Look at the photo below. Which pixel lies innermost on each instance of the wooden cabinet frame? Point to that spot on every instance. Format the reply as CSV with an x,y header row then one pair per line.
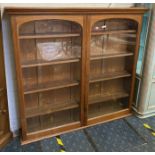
x,y
93,20
86,18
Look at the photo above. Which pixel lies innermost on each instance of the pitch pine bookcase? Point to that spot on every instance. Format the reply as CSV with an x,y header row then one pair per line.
x,y
75,67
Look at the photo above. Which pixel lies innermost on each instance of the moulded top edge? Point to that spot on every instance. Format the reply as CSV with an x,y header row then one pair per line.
x,y
32,11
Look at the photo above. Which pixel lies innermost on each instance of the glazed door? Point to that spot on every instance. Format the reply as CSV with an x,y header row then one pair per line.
x,y
112,56
50,64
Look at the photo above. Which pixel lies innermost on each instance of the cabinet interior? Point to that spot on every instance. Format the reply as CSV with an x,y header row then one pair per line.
x,y
51,70
74,69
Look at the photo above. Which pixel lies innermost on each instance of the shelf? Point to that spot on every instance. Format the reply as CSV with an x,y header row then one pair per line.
x,y
52,120
103,98
43,110
113,32
39,36
108,107
50,86
111,55
121,41
32,130
110,76
35,63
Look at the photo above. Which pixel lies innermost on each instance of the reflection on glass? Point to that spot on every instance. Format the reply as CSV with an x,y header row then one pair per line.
x,y
50,58
113,43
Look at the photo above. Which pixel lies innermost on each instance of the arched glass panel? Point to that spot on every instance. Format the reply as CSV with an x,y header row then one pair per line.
x,y
113,43
50,56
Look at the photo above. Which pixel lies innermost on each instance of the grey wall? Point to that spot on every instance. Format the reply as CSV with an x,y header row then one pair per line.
x,y
10,75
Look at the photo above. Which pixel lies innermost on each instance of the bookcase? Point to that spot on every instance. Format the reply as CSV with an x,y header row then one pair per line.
x,y
75,67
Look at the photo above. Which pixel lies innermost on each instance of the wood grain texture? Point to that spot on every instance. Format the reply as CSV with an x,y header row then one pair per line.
x,y
49,36
36,63
73,127
102,72
41,11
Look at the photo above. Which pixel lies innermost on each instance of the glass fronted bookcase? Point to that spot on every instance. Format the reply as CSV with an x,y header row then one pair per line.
x,y
74,70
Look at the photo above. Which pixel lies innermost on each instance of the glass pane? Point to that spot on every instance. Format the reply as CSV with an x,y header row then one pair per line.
x,y
49,40
49,27
140,60
143,34
136,91
114,25
113,36
143,37
113,43
107,67
42,50
111,95
53,75
51,61
51,103
52,120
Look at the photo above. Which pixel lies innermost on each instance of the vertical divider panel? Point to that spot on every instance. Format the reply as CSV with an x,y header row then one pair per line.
x,y
83,70
87,31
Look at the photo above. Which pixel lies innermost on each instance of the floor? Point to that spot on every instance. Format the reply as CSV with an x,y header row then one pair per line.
x,y
127,135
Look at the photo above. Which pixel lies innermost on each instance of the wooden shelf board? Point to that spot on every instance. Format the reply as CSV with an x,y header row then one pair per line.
x,y
110,76
111,55
35,63
47,109
109,117
46,127
107,111
50,86
39,36
114,96
50,132
74,11
114,32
